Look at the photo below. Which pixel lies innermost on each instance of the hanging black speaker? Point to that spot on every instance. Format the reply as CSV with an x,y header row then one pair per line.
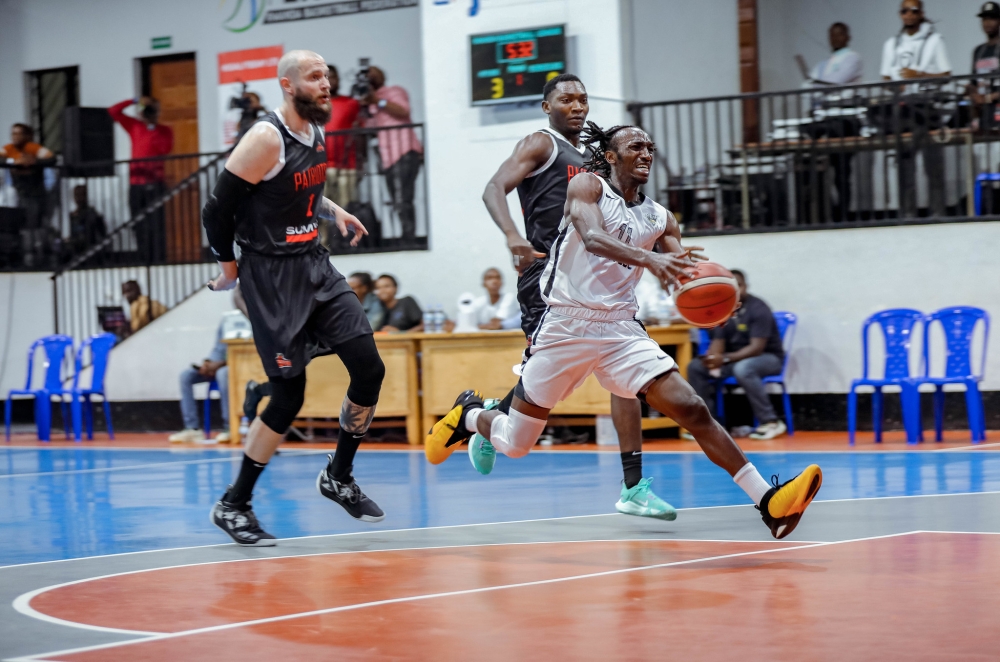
x,y
89,142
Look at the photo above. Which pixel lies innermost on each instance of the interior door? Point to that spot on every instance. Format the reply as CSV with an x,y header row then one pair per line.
x,y
173,81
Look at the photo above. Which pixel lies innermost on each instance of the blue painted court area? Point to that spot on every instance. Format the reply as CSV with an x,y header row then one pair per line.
x,y
67,503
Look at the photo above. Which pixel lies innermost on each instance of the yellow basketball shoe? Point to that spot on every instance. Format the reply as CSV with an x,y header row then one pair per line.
x,y
783,504
448,433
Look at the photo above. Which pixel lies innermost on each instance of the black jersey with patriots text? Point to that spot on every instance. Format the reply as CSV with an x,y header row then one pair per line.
x,y
543,192
279,217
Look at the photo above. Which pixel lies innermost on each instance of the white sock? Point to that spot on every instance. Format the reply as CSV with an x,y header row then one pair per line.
x,y
750,480
470,419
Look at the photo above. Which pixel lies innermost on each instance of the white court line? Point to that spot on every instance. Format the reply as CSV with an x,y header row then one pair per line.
x,y
471,524
973,447
22,603
431,596
130,467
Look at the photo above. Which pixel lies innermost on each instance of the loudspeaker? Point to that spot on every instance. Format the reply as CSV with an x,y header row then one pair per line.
x,y
89,142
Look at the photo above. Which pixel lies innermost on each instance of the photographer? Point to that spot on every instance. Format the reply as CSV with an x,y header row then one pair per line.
x,y
400,151
249,103
150,140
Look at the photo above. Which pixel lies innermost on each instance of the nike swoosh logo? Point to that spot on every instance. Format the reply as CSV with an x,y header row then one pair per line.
x,y
636,452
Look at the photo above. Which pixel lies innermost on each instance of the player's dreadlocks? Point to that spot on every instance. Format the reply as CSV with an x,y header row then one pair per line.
x,y
598,141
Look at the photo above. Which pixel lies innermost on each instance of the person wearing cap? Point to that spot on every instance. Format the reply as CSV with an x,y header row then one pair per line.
x,y
986,60
917,51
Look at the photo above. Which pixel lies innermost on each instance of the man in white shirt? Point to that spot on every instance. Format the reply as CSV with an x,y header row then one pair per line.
x,y
494,307
844,66
916,52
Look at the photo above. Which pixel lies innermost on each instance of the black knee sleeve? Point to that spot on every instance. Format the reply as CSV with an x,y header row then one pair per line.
x,y
286,400
360,357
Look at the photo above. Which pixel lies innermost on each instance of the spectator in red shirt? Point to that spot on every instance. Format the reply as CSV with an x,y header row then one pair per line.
x,y
399,150
341,157
150,140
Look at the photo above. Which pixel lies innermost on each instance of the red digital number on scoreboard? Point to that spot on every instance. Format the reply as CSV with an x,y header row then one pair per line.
x,y
519,50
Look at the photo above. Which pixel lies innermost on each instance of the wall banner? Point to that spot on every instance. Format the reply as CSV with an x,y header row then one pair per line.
x,y
252,70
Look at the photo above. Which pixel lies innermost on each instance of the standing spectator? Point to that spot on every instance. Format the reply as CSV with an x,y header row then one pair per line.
x,y
494,307
916,52
364,287
149,141
400,314
212,368
86,226
747,347
844,66
142,309
986,60
399,150
29,181
341,155
249,103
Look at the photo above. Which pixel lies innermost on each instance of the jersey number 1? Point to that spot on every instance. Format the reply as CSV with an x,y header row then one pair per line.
x,y
309,209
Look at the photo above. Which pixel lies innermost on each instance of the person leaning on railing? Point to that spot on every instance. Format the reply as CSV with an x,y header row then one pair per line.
x,y
341,159
916,52
27,159
400,150
986,60
150,140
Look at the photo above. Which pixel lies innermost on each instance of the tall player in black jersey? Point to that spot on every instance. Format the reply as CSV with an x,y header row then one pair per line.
x,y
269,199
540,169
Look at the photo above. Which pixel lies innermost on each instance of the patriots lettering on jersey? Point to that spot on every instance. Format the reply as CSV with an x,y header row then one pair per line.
x,y
310,177
305,232
572,171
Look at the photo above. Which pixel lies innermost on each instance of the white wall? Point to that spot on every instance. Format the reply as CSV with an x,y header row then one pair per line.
x,y
25,316
104,37
834,279
787,27
678,49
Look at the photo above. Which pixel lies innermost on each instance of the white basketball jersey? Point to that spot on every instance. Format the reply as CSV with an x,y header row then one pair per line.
x,y
577,278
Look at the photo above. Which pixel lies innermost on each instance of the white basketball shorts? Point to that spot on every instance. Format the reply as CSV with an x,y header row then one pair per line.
x,y
566,350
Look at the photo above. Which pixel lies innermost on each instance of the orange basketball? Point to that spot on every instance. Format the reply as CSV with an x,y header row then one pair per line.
x,y
710,297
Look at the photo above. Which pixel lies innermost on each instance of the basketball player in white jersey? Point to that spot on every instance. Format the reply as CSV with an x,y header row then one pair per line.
x,y
605,241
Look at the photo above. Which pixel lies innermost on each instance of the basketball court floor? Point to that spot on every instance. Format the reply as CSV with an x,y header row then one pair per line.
x,y
108,554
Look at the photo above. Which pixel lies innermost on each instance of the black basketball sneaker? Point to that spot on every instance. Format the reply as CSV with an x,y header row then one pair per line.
x,y
449,432
241,525
348,495
783,505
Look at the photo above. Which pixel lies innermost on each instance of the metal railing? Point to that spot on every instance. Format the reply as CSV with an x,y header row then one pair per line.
x,y
376,177
161,246
826,157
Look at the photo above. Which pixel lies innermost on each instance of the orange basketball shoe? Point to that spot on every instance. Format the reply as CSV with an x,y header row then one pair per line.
x,y
448,433
783,505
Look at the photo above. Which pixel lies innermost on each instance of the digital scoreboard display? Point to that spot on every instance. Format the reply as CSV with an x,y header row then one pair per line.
x,y
514,66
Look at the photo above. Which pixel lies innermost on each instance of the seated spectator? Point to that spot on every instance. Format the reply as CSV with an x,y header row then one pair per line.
x,y
213,367
494,307
400,314
364,287
747,347
86,226
142,309
843,67
28,179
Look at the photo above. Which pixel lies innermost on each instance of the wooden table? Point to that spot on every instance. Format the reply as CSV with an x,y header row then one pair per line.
x,y
451,362
327,381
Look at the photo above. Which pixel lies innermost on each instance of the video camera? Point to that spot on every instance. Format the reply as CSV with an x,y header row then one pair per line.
x,y
241,102
361,87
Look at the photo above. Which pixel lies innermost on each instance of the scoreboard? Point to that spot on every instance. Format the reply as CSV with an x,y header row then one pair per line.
x,y
514,66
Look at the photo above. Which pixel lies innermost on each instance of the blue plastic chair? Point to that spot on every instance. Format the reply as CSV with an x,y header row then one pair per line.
x,y
959,324
897,329
980,182
786,327
100,347
55,347
212,386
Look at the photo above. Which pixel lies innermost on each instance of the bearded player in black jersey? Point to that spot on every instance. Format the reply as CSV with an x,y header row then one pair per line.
x,y
269,199
540,169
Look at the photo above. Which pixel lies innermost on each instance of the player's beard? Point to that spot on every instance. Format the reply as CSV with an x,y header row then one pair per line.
x,y
309,109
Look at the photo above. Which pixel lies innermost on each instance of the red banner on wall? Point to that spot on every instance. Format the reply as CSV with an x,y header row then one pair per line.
x,y
251,64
